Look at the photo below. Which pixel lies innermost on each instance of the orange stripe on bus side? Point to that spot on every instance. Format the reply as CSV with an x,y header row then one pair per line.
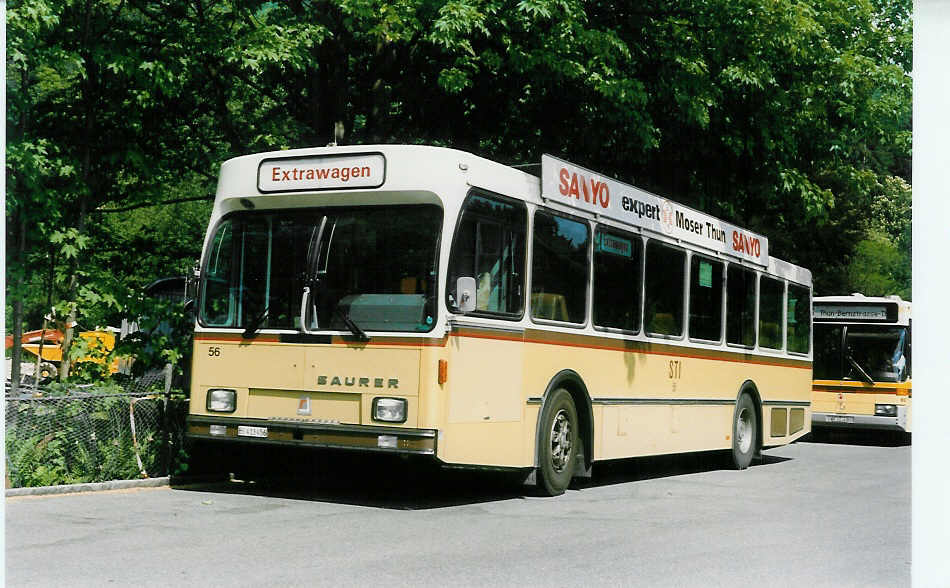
x,y
645,348
335,340
865,389
540,338
231,337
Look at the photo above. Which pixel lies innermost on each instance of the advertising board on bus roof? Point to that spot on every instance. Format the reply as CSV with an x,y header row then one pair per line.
x,y
584,189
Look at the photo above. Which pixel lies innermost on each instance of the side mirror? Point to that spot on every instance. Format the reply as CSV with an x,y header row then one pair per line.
x,y
192,281
465,294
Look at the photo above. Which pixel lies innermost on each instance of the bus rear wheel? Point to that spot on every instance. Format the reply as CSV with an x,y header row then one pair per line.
x,y
744,432
558,443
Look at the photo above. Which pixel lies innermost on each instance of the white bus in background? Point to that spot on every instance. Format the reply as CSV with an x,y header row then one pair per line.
x,y
862,363
426,301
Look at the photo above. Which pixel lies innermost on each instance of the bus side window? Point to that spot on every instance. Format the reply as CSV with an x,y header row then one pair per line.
x,y
740,306
559,268
617,283
799,318
771,294
705,299
490,247
665,284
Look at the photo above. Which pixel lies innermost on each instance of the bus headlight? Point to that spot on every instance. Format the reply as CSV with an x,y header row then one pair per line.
x,y
389,410
221,400
885,410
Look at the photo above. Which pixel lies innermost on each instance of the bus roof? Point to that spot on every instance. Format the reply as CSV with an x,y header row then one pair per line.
x,y
333,175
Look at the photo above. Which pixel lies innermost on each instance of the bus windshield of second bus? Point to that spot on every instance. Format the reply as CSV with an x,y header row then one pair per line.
x,y
870,353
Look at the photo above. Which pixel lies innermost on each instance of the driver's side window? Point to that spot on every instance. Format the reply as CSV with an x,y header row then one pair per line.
x,y
490,247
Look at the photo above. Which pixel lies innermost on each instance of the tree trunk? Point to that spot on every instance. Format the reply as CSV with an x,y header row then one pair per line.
x,y
89,97
329,120
20,241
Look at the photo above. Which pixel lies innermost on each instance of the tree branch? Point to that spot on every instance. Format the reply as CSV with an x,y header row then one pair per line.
x,y
147,204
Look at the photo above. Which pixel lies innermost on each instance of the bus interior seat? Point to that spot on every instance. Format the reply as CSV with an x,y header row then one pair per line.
x,y
663,322
549,306
483,291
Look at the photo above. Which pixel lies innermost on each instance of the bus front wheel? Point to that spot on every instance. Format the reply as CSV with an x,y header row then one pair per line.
x,y
558,443
744,431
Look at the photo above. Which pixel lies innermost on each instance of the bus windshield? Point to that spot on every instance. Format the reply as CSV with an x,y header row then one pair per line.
x,y
878,352
372,266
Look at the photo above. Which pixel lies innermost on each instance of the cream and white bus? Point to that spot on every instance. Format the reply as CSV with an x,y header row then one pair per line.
x,y
862,363
422,300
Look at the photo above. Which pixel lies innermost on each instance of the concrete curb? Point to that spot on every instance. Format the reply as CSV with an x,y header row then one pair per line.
x,y
91,487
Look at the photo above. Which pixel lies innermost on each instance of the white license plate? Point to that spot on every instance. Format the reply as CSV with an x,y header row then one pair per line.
x,y
840,419
245,431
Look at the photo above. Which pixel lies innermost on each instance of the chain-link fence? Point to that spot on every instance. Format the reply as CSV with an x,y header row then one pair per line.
x,y
93,433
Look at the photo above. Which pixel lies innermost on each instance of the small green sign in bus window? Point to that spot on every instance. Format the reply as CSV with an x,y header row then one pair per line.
x,y
705,274
616,245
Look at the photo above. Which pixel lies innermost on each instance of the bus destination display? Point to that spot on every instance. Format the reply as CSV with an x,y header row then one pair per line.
x,y
321,173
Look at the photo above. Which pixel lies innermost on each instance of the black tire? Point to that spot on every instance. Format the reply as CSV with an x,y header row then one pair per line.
x,y
745,432
557,443
206,461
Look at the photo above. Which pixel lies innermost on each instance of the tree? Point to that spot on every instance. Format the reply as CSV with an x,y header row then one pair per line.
x,y
789,117
875,267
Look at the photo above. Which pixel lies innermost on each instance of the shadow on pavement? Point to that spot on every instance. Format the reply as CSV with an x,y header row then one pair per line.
x,y
622,471
866,437
391,482
379,481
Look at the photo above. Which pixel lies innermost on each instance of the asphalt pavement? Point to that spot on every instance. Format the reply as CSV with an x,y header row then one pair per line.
x,y
815,514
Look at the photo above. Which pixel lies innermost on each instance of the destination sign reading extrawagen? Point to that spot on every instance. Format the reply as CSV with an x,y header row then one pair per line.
x,y
332,172
583,189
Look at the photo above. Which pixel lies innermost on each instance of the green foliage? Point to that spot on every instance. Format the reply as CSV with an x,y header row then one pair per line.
x,y
64,439
790,117
878,268
164,335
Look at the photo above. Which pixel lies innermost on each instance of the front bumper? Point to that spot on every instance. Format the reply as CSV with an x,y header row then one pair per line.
x,y
860,421
304,433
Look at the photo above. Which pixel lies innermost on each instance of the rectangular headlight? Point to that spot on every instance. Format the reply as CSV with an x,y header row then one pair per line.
x,y
885,410
221,400
389,410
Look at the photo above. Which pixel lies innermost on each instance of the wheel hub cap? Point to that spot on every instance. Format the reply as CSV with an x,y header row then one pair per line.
x,y
744,430
560,441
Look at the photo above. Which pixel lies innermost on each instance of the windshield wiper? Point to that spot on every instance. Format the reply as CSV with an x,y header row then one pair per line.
x,y
250,331
860,369
351,324
312,277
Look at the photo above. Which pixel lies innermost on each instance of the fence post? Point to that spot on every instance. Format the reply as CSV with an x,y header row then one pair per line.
x,y
166,421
